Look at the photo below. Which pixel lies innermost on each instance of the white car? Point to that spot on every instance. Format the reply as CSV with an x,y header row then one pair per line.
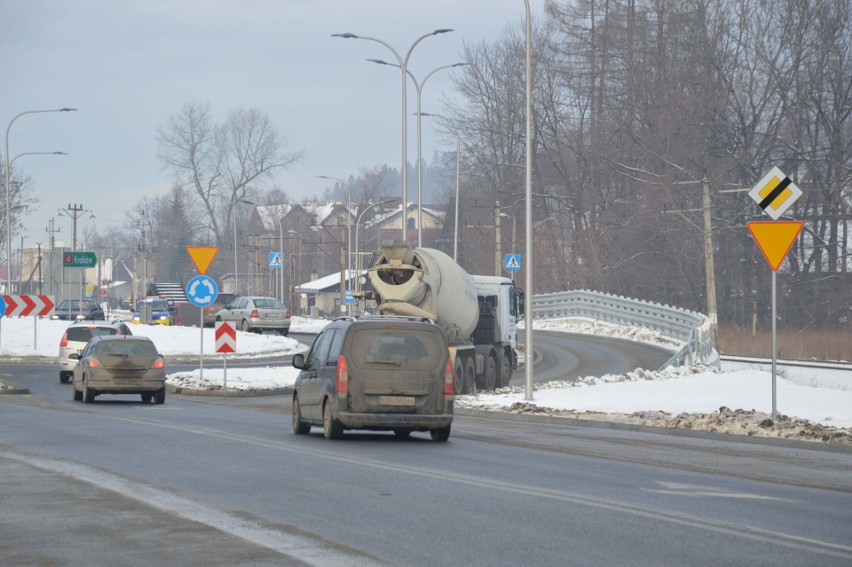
x,y
75,338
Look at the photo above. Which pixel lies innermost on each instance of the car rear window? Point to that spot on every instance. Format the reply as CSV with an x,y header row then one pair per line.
x,y
420,350
85,334
268,304
126,347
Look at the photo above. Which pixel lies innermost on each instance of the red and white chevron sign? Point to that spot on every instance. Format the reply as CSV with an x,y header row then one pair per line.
x,y
23,305
226,337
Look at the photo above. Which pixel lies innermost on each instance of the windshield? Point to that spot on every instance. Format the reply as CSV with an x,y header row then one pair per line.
x,y
73,304
156,305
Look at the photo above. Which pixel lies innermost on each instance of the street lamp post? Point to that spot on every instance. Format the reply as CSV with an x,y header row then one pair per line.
x,y
348,230
8,191
419,88
357,249
458,169
403,64
528,322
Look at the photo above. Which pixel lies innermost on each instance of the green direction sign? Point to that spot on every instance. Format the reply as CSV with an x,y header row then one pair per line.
x,y
79,260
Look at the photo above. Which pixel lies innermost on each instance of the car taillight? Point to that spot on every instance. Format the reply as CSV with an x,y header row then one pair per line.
x,y
342,375
289,313
159,363
253,314
64,341
95,363
449,378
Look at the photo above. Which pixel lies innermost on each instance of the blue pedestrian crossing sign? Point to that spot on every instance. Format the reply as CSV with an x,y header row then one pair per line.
x,y
276,260
201,291
513,262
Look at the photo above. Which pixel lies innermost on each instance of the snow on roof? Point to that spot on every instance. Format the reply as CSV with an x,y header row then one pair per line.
x,y
382,217
324,282
269,214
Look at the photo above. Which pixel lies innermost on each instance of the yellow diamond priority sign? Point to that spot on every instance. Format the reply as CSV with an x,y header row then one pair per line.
x,y
775,239
775,193
202,256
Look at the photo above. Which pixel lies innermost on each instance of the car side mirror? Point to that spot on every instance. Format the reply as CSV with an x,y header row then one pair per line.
x,y
74,356
299,361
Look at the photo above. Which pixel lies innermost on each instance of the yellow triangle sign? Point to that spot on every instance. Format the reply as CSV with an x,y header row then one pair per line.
x,y
775,239
202,256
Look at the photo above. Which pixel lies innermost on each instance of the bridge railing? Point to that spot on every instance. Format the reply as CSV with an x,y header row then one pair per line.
x,y
693,329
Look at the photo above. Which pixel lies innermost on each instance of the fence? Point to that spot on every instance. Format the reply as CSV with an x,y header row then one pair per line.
x,y
694,329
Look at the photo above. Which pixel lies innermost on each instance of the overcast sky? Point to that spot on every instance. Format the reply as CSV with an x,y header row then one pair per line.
x,y
128,65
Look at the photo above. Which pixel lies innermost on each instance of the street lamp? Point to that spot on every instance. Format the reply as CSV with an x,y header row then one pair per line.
x,y
8,191
458,169
234,220
357,250
403,64
528,322
419,87
348,229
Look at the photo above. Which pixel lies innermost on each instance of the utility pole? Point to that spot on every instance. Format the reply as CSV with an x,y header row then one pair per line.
x,y
76,211
52,241
708,264
497,264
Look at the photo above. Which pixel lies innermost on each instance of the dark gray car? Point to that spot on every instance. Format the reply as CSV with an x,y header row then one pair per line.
x,y
378,373
78,309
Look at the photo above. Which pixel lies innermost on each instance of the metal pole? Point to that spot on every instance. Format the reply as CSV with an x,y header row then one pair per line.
x,y
458,171
774,347
497,263
403,63
234,221
528,320
7,187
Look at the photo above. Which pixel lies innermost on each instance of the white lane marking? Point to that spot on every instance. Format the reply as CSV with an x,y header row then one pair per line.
x,y
312,551
694,490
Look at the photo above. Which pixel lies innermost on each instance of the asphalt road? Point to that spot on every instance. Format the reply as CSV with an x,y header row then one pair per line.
x,y
223,481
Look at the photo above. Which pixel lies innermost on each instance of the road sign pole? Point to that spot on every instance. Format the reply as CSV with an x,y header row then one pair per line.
x,y
201,347
774,345
225,370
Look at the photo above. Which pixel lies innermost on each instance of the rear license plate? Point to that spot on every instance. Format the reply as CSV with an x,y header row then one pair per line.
x,y
271,315
126,380
396,400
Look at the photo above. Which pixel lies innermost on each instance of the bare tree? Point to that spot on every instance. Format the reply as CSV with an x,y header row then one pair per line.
x,y
222,164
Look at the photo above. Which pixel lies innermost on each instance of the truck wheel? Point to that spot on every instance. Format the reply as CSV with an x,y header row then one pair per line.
x,y
469,376
489,378
505,368
458,375
331,428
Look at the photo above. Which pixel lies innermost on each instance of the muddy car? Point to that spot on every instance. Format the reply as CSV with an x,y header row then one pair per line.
x,y
375,373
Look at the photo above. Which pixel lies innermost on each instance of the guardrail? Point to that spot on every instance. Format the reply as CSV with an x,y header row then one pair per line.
x,y
694,329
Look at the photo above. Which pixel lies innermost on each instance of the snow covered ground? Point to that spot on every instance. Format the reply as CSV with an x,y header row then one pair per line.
x,y
812,404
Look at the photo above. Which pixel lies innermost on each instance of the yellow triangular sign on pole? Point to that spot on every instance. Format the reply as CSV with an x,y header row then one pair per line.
x,y
775,239
202,256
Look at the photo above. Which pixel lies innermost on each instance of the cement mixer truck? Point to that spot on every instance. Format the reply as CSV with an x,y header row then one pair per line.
x,y
477,313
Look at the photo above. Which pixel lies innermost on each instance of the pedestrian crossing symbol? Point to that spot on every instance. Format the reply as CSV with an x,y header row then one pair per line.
x,y
513,262
276,260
